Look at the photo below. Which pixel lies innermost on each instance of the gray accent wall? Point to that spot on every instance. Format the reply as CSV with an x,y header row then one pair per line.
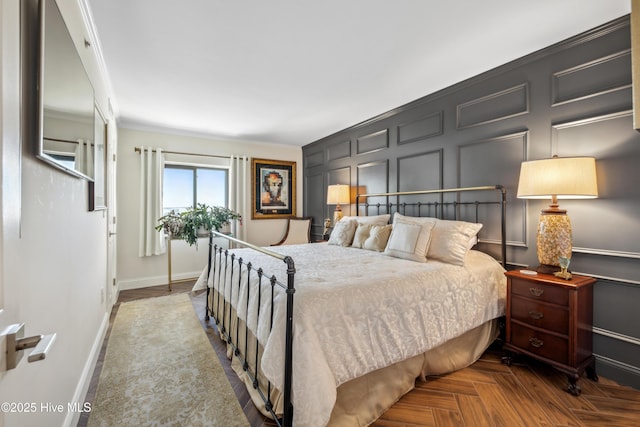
x,y
570,99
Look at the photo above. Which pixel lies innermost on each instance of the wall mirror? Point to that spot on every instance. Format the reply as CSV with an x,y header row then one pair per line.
x,y
97,187
66,113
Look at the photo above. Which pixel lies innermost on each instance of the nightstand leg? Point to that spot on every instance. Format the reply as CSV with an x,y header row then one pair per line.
x,y
591,371
573,387
507,359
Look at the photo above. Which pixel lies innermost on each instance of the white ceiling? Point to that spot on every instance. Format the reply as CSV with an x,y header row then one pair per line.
x,y
294,71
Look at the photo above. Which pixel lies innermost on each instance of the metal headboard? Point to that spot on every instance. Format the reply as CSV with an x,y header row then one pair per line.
x,y
441,205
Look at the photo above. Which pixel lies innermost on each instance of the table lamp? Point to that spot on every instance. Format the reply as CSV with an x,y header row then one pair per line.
x,y
556,178
337,194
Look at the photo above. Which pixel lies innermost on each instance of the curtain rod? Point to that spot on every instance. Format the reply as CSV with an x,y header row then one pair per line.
x,y
137,150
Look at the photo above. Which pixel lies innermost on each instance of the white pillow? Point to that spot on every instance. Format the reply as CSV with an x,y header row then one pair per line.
x,y
378,238
371,237
343,231
410,237
472,242
361,235
375,219
451,240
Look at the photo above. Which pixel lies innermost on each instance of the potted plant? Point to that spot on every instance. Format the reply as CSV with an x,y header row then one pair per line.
x,y
190,224
171,223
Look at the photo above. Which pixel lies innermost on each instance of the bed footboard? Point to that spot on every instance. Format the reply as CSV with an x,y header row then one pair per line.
x,y
227,272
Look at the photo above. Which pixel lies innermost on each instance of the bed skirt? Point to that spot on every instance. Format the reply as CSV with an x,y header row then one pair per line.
x,y
363,400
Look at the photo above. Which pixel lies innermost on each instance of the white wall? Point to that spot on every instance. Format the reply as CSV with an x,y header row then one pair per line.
x,y
135,272
58,261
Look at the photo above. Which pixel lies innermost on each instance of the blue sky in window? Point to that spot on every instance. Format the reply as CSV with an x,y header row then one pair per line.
x,y
178,188
212,187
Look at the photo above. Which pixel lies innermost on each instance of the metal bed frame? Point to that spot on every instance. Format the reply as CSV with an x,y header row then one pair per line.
x,y
227,259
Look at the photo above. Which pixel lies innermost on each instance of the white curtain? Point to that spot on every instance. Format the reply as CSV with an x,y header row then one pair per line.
x,y
238,193
151,241
84,157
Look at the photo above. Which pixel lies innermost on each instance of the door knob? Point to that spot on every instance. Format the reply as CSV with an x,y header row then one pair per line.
x,y
17,343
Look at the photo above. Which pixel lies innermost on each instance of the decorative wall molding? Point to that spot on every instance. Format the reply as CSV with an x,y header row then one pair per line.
x,y
339,150
314,159
501,105
373,177
608,278
501,157
600,136
420,129
598,77
589,120
616,336
425,169
372,142
314,183
605,252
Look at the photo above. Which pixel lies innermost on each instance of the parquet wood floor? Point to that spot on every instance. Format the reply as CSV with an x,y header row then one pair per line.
x,y
486,393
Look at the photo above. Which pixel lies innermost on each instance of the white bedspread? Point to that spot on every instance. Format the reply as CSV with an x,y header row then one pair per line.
x,y
356,311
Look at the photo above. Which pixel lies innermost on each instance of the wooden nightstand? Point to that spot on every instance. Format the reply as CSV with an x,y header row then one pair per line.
x,y
550,319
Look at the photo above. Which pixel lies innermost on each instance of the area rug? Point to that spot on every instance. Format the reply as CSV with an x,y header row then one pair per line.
x,y
160,370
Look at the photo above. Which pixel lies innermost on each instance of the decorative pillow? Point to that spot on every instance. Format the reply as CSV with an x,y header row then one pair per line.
x,y
472,242
451,240
362,234
410,237
375,219
378,238
343,231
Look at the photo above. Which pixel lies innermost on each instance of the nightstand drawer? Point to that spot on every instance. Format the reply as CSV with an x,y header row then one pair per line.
x,y
540,291
540,314
540,343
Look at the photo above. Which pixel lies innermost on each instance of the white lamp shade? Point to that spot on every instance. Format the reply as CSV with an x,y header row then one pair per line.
x,y
564,177
556,178
337,194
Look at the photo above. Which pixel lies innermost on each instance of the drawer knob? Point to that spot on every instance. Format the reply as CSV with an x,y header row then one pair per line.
x,y
535,342
536,292
536,315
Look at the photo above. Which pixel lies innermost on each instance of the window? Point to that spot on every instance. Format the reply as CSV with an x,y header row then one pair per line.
x,y
185,186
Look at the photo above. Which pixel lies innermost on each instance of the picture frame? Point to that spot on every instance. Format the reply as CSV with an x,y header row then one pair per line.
x,y
273,189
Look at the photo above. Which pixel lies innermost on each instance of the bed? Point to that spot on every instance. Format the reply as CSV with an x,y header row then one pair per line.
x,y
370,315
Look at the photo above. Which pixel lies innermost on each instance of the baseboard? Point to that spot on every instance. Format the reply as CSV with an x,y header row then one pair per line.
x,y
145,282
614,356
72,417
617,371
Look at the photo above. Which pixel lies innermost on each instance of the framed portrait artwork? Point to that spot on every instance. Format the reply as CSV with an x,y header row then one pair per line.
x,y
274,189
